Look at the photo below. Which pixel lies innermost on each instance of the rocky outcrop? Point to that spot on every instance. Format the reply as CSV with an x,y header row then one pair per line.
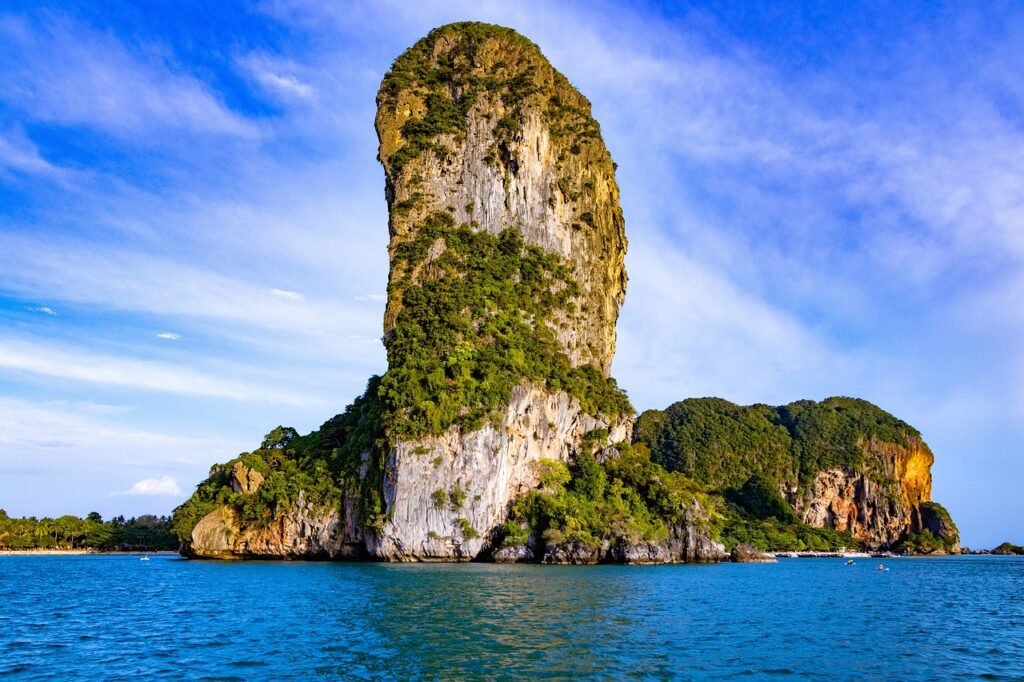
x,y
245,480
446,494
934,530
879,504
517,554
475,124
507,247
477,132
301,531
1006,549
748,554
841,464
686,543
474,121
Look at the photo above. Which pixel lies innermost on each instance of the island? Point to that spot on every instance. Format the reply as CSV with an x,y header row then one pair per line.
x,y
497,432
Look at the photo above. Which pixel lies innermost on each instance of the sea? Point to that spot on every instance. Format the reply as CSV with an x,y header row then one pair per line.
x,y
118,617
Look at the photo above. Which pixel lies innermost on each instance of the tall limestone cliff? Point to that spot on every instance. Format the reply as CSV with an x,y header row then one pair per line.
x,y
507,248
475,122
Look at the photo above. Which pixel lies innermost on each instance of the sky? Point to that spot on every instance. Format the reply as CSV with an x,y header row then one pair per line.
x,y
820,200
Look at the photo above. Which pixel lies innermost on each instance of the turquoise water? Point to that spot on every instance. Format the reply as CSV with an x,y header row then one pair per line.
x,y
116,617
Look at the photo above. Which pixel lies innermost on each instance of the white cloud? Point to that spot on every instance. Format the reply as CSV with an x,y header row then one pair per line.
x,y
289,295
47,359
96,434
64,73
170,336
72,270
45,310
688,331
165,485
277,76
287,84
17,153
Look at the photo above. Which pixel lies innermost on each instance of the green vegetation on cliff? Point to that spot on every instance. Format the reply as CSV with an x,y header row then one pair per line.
x,y
926,542
322,465
627,499
722,445
630,499
756,514
142,533
937,534
449,86
716,442
749,454
475,323
450,79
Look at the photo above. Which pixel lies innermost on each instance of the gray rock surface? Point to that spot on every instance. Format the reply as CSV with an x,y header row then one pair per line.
x,y
486,469
748,554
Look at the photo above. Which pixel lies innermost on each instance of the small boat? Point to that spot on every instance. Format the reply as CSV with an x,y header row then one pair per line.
x,y
850,562
143,558
882,567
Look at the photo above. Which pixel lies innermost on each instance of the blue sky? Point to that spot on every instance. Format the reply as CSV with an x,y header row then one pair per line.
x,y
819,201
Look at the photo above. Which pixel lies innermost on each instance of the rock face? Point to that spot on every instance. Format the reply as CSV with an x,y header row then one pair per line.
x,y
746,554
245,480
473,120
446,494
474,123
876,513
303,531
684,544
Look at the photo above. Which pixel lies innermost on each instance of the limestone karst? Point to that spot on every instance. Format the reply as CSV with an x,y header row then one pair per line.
x,y
497,431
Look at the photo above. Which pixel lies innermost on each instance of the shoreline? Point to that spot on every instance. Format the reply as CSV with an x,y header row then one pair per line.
x,y
76,552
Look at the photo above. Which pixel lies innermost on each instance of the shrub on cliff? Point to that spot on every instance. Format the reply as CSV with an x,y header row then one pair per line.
x,y
628,498
477,326
758,515
926,542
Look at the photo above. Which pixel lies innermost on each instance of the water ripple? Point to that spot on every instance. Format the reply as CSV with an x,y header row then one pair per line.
x,y
113,618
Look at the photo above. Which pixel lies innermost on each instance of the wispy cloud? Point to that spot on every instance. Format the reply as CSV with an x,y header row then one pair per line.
x,y
95,431
277,76
45,310
169,336
17,153
288,295
62,72
708,337
165,485
78,271
50,360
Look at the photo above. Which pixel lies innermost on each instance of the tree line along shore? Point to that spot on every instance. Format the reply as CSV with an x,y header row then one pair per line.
x,y
146,533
